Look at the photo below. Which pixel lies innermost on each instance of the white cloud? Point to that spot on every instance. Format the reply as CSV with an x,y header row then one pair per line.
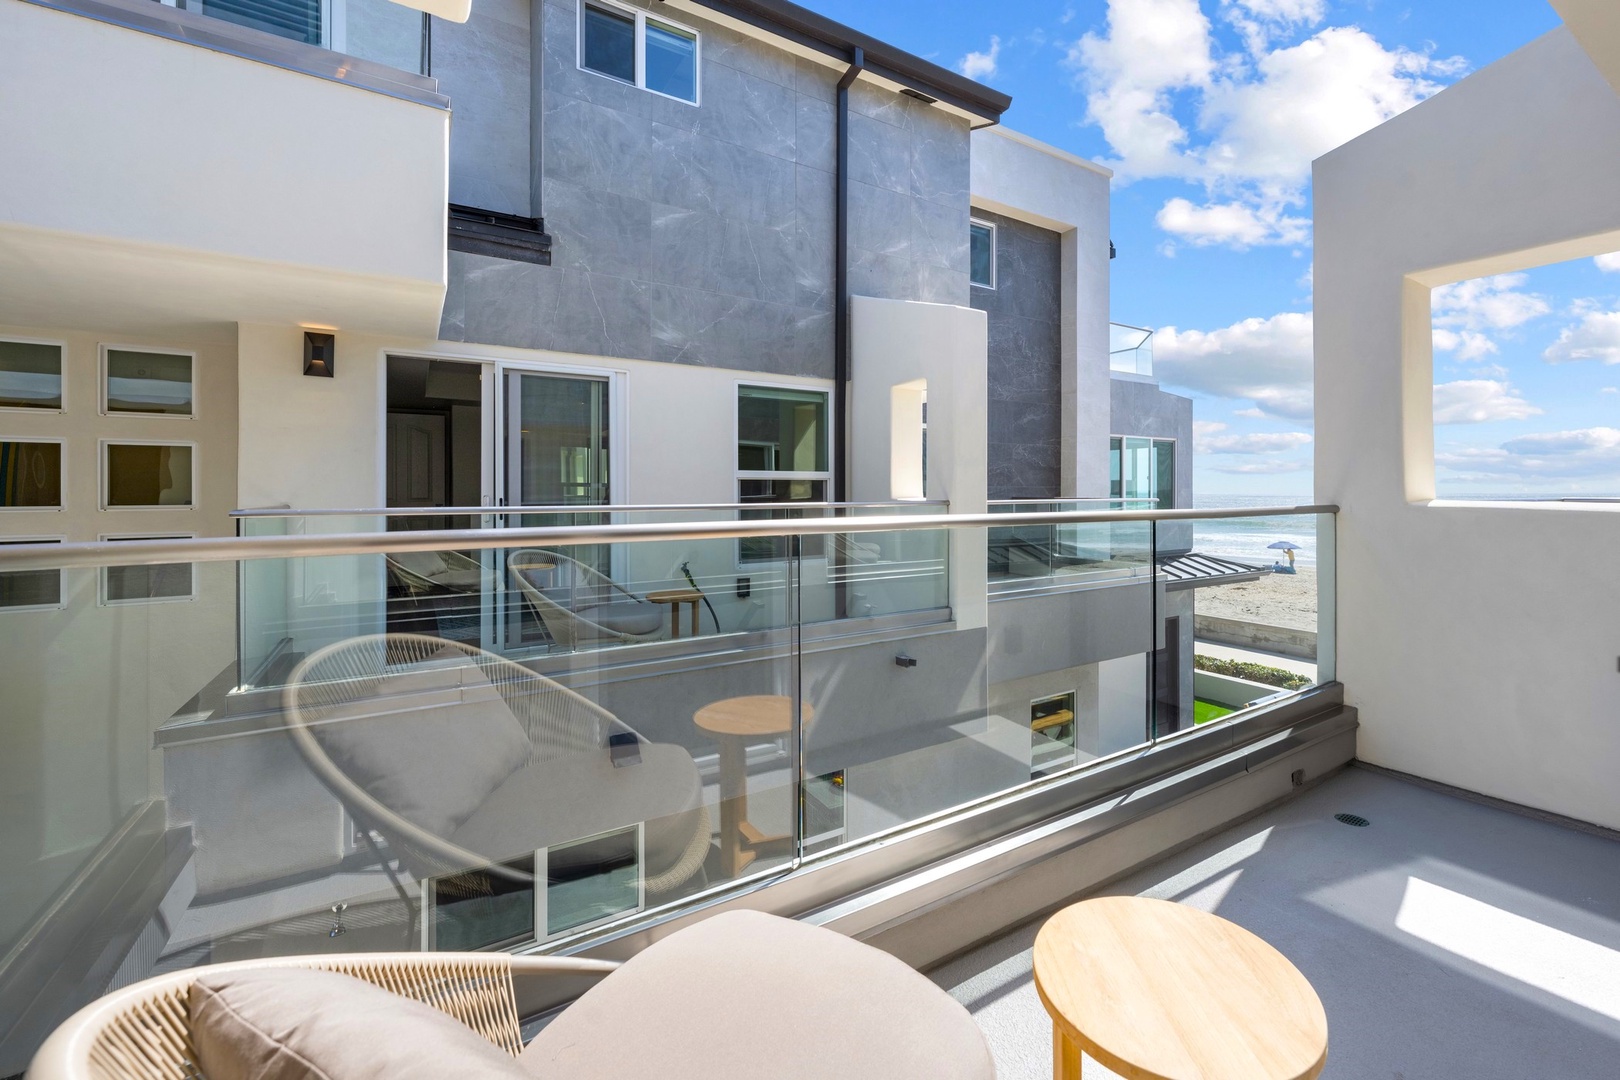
x,y
1487,303
1260,118
1207,439
1610,390
981,65
1595,337
1581,454
1265,361
1479,401
1233,224
1466,345
1263,467
1151,48
1608,263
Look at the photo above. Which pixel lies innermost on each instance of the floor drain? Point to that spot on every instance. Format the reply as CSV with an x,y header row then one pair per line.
x,y
1352,819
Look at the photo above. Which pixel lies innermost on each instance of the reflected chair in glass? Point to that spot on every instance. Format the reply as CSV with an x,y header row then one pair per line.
x,y
424,572
432,763
579,605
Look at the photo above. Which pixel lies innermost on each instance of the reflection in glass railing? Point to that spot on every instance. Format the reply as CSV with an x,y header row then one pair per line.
x,y
524,738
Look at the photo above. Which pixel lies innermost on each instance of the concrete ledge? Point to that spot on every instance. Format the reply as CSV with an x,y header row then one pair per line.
x,y
1283,640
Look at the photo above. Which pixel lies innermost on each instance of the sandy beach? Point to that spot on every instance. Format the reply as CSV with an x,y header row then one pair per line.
x,y
1274,600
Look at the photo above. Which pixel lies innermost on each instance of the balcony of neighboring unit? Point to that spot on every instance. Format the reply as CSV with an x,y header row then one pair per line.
x,y
572,728
245,161
1130,351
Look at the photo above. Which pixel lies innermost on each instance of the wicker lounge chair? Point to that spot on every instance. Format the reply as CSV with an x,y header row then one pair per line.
x,y
423,703
579,605
736,996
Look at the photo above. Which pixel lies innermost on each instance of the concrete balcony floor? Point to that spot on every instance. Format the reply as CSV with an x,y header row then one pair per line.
x,y
1448,938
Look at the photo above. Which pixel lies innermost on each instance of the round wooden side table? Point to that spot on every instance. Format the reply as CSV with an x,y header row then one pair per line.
x,y
733,722
1162,991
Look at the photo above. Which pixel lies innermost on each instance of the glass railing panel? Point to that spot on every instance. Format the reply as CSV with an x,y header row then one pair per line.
x,y
377,30
1239,613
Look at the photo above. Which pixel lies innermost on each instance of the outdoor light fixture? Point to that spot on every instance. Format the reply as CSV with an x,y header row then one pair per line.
x,y
320,354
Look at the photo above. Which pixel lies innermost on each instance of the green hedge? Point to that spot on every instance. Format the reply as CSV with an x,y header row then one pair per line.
x,y
1260,673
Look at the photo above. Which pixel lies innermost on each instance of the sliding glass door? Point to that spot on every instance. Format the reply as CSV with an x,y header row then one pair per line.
x,y
558,439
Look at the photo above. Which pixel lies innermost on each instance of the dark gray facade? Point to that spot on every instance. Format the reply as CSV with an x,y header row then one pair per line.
x,y
1025,360
689,234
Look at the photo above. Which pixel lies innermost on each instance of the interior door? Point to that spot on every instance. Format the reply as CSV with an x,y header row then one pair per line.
x,y
416,473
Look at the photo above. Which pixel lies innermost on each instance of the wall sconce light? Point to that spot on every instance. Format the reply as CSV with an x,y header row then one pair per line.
x,y
320,354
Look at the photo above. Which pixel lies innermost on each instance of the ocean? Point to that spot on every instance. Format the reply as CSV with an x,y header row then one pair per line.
x,y
1247,538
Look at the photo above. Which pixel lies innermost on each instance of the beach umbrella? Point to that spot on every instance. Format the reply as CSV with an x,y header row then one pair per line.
x,y
1285,545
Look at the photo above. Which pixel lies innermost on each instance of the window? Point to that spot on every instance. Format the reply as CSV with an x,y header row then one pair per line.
x,y
146,382
31,375
299,20
782,457
982,254
30,590
639,49
30,475
148,584
146,475
1051,733
1141,468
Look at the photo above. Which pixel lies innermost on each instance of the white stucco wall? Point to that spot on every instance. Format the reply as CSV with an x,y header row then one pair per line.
x,y
899,343
1014,175
196,185
1479,642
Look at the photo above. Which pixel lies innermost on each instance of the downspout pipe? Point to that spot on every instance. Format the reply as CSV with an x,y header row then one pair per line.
x,y
841,474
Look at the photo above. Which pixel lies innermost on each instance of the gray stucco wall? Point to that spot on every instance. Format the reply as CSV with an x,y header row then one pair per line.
x,y
1024,312
696,234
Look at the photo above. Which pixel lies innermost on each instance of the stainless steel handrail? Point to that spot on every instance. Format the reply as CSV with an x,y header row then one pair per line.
x,y
604,508
230,548
1067,499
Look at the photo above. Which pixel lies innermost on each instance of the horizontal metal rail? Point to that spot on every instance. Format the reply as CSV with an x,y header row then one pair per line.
x,y
604,508
1065,499
231,548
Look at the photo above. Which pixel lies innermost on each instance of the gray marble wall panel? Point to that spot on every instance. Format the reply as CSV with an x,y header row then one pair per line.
x,y
483,65
713,224
1026,362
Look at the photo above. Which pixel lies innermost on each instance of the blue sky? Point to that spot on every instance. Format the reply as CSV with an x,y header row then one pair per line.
x,y
1210,111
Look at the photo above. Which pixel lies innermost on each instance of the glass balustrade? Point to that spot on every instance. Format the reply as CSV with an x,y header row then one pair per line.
x,y
364,740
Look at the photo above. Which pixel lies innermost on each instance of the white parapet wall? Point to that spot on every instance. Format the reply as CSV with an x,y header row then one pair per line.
x,y
940,350
1478,640
150,183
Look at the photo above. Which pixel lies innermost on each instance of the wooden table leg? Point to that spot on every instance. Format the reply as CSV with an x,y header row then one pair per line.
x,y
694,618
674,621
733,805
1065,1056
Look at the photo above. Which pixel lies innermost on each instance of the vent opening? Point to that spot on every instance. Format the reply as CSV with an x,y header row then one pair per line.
x,y
1352,819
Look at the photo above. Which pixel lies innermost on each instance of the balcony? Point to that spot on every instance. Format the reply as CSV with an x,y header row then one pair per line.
x,y
810,710
1130,350
303,186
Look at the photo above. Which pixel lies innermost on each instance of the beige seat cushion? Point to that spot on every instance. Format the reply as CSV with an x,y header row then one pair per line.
x,y
745,995
576,795
300,1024
430,744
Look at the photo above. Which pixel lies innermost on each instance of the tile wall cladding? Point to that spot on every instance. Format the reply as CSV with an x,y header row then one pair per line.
x,y
484,64
714,225
1025,363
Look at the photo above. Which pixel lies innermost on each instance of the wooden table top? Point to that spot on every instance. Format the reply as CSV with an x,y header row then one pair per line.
x,y
674,596
1162,991
756,714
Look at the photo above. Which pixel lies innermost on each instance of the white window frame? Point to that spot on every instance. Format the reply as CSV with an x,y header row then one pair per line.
x,y
1158,505
61,475
641,18
773,474
994,269
189,354
102,598
37,410
61,575
168,507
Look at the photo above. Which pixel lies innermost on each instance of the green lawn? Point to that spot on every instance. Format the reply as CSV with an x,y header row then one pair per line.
x,y
1205,711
